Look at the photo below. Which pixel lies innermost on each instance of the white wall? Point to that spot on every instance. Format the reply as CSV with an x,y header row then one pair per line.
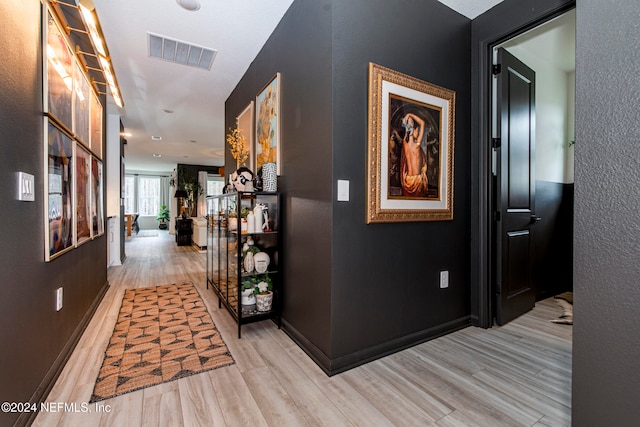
x,y
555,91
571,125
113,185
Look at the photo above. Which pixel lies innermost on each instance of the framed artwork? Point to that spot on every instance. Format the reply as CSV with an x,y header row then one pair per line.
x,y
81,93
97,199
267,142
83,194
59,192
59,78
95,125
410,150
245,124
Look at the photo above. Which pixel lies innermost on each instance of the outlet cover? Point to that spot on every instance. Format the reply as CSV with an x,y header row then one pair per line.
x,y
444,279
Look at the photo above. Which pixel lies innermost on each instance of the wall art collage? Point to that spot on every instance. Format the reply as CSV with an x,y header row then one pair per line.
x,y
74,178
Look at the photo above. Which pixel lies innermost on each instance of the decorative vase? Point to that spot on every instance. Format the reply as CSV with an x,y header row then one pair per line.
x,y
251,223
257,215
248,298
261,262
269,177
264,301
233,224
249,263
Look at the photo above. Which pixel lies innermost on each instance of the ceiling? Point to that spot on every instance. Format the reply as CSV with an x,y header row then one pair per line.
x,y
553,42
182,105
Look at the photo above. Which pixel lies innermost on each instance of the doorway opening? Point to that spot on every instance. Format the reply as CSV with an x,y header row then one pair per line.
x,y
530,171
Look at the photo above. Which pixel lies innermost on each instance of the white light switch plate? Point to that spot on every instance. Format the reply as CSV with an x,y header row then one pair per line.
x,y
343,190
26,190
59,299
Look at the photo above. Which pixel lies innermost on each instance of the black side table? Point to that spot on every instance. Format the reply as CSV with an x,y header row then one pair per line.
x,y
184,230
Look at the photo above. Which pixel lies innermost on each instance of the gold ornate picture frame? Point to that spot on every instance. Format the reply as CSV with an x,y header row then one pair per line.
x,y
410,149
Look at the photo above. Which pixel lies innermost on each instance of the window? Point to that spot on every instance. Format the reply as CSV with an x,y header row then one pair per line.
x,y
148,195
145,194
130,195
215,184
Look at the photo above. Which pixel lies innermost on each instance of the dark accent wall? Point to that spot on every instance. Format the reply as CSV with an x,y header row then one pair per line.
x,y
553,239
35,338
606,337
300,49
354,292
385,277
192,170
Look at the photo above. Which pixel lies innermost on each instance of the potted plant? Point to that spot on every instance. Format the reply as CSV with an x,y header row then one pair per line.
x,y
248,296
263,292
233,219
163,216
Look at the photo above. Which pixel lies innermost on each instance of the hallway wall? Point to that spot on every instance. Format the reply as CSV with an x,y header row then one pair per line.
x,y
35,338
341,275
606,379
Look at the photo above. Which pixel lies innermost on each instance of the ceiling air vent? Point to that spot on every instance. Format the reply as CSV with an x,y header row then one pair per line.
x,y
180,52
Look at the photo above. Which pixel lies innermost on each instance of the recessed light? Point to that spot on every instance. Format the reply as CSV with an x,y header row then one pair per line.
x,y
193,141
156,138
157,155
168,111
191,5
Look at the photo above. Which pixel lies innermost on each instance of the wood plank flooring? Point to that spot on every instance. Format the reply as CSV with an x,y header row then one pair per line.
x,y
515,375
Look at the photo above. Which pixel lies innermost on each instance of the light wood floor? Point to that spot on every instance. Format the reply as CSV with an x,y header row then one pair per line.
x,y
516,375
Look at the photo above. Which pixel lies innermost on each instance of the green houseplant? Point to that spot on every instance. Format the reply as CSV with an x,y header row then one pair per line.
x,y
163,216
248,290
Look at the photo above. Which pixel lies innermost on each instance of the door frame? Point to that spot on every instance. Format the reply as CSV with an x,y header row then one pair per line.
x,y
503,22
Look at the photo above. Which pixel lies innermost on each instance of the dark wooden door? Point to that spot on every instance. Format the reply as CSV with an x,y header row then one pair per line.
x,y
514,200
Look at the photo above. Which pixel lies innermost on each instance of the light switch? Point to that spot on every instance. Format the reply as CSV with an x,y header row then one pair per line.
x,y
343,190
26,190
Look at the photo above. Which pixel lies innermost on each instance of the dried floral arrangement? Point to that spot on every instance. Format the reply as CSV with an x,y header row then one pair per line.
x,y
238,143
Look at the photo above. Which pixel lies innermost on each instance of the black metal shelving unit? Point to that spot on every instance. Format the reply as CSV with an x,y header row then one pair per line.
x,y
225,263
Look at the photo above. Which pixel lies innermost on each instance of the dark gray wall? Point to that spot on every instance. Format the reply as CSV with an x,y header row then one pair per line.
x,y
342,277
300,49
553,239
385,277
606,379
35,338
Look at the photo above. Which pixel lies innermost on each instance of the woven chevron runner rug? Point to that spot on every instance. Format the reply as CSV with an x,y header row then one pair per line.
x,y
163,333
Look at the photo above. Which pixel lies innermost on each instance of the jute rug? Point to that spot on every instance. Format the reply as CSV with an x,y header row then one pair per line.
x,y
565,300
163,333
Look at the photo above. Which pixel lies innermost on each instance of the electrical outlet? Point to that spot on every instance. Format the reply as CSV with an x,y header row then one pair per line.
x,y
444,279
59,299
